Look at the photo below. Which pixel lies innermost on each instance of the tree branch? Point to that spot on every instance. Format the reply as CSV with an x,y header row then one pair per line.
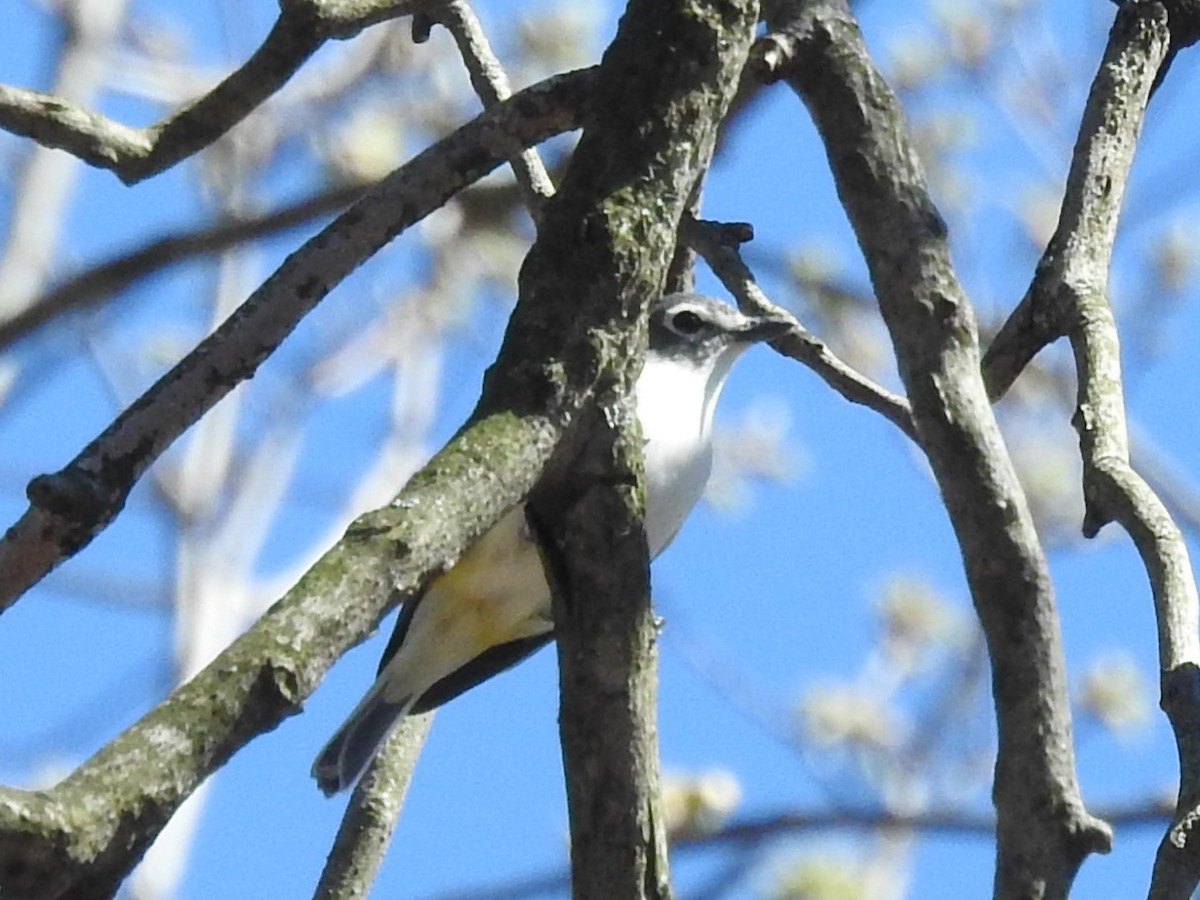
x,y
491,85
1115,100
135,154
69,508
83,836
1044,833
718,243
605,243
371,815
1069,295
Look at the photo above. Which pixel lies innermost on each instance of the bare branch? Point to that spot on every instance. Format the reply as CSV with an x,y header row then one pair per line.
x,y
491,84
137,153
1069,294
84,834
366,829
1042,316
1044,833
718,244
60,124
67,509
87,832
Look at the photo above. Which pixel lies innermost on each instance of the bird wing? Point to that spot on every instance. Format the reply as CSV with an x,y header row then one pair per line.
x,y
491,662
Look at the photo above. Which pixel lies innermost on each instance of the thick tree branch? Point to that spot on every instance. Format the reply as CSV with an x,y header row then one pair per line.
x,y
67,509
1044,833
718,244
602,254
137,153
80,838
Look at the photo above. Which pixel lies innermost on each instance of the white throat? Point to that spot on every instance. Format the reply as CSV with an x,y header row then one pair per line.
x,y
675,404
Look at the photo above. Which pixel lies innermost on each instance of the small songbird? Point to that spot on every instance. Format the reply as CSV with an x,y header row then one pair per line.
x,y
493,608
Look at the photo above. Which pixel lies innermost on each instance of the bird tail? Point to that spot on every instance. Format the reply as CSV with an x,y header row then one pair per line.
x,y
343,759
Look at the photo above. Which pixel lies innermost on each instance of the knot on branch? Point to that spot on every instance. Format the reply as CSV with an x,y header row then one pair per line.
x,y
277,684
1089,834
770,57
81,499
1180,697
1101,483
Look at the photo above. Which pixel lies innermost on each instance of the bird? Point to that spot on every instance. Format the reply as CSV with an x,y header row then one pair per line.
x,y
493,607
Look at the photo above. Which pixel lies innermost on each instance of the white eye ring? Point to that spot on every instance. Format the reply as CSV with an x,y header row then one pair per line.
x,y
686,323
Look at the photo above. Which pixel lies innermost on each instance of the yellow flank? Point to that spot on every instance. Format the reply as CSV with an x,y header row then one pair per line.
x,y
495,594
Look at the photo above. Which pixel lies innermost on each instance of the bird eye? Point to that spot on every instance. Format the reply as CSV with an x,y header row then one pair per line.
x,y
686,322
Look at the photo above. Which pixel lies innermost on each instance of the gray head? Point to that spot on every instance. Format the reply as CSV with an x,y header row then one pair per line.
x,y
698,329
694,341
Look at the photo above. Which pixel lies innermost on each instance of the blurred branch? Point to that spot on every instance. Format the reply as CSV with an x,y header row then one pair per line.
x,y
375,803
718,243
93,285
749,833
137,153
67,509
1044,832
43,181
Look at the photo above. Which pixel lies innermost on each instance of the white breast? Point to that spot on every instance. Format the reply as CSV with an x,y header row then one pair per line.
x,y
675,403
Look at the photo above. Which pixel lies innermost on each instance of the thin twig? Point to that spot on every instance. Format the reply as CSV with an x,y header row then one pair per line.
x,y
718,243
366,829
491,84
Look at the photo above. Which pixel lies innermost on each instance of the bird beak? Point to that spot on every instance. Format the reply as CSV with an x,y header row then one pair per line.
x,y
765,328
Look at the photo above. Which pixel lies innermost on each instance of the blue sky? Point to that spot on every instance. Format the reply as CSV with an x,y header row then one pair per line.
x,y
780,590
